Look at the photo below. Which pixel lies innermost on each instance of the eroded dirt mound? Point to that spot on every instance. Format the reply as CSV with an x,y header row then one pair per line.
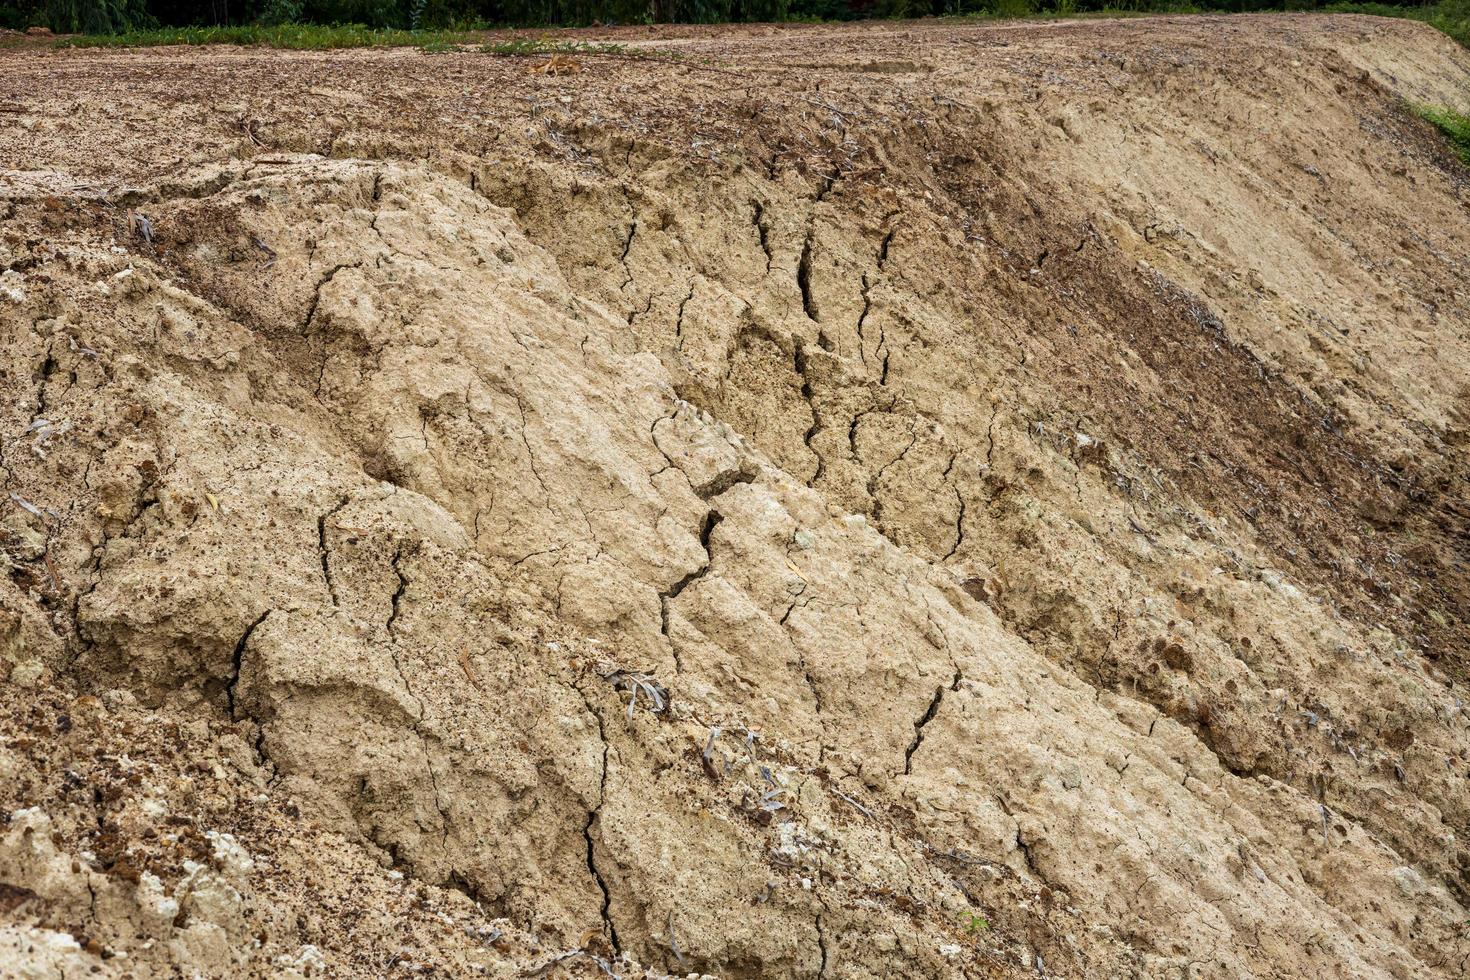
x,y
878,501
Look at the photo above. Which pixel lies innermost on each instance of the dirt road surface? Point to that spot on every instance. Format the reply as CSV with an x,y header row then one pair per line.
x,y
893,499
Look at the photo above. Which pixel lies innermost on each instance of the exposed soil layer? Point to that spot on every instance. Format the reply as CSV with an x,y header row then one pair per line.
x,y
880,500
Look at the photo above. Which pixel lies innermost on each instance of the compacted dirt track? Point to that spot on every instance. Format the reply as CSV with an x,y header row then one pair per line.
x,y
881,500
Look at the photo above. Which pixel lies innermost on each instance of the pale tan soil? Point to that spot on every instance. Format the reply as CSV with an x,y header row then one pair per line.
x,y
1026,463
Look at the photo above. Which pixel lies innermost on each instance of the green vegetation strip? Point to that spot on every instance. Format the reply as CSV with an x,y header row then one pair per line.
x,y
1449,16
308,37
1454,125
303,37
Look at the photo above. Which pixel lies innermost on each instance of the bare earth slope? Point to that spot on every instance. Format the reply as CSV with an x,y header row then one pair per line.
x,y
891,500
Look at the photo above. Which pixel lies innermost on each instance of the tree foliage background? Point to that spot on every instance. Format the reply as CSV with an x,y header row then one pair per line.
x,y
112,16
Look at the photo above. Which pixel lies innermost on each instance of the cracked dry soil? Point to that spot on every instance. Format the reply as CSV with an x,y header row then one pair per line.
x,y
881,500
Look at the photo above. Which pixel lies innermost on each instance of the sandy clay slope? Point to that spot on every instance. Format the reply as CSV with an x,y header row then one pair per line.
x,y
892,500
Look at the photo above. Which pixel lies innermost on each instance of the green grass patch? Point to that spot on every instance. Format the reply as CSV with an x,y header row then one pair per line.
x,y
300,37
1454,125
